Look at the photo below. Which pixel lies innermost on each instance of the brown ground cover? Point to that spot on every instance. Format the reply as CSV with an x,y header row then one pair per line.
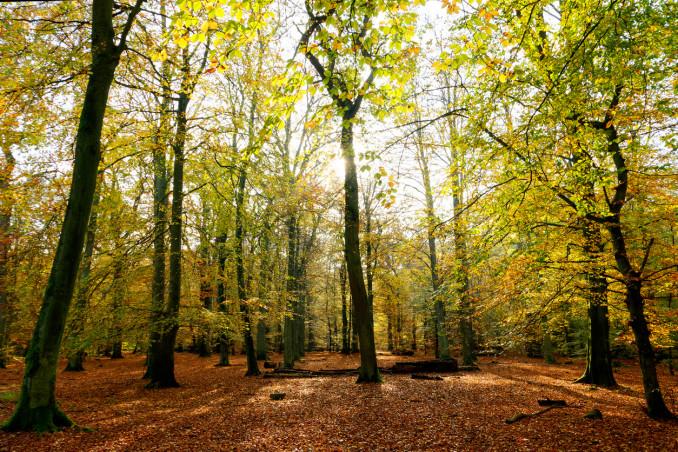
x,y
220,409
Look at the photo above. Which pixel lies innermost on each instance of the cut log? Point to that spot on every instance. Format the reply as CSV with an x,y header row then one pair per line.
x,y
426,377
436,365
468,368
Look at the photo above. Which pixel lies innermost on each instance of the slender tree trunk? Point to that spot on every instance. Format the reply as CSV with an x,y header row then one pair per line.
x,y
389,324
224,342
118,298
656,408
6,205
414,332
369,258
460,249
37,408
204,346
369,371
345,340
252,366
300,315
266,269
290,349
442,343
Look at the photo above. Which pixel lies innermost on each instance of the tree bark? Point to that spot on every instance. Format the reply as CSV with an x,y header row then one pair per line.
x,y
6,206
37,407
345,339
224,342
204,346
161,365
656,408
160,185
441,341
369,371
598,361
461,271
252,366
290,354
74,346
118,290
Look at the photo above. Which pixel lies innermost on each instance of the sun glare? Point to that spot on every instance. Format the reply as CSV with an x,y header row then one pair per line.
x,y
338,167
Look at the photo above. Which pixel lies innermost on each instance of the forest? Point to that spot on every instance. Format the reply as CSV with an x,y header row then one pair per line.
x,y
338,225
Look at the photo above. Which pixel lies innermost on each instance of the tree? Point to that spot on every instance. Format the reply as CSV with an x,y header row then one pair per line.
x,y
332,27
583,88
161,363
37,408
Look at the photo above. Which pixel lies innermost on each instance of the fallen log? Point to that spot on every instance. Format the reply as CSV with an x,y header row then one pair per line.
x,y
518,416
551,402
290,375
436,365
426,377
319,373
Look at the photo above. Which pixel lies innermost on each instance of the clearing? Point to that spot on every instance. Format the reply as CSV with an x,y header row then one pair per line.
x,y
218,408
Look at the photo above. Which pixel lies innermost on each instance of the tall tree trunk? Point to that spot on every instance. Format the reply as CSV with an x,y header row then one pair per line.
x,y
75,346
118,290
6,206
37,408
204,346
161,365
369,258
300,315
160,185
224,342
442,343
414,332
345,339
656,408
252,366
461,270
265,271
598,361
290,325
369,371
389,324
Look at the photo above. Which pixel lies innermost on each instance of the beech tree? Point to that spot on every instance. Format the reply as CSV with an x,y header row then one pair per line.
x,y
37,408
353,28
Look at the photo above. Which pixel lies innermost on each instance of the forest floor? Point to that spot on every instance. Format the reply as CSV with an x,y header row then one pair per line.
x,y
219,409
